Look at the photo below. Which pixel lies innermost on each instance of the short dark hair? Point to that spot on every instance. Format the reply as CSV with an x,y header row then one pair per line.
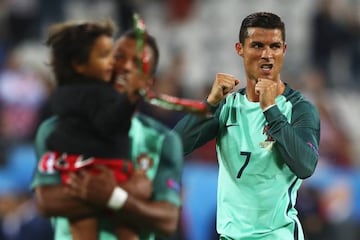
x,y
261,20
148,40
71,42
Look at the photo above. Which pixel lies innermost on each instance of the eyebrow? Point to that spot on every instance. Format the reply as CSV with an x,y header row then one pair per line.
x,y
262,43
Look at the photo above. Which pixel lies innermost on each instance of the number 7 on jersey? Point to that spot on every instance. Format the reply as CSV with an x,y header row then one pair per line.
x,y
247,159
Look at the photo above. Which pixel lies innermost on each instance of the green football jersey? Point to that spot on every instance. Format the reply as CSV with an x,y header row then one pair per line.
x,y
151,143
262,158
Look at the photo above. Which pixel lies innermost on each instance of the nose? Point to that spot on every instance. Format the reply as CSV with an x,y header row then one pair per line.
x,y
123,65
266,53
128,64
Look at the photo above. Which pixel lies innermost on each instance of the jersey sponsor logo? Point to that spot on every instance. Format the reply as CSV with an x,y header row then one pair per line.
x,y
144,161
47,163
269,141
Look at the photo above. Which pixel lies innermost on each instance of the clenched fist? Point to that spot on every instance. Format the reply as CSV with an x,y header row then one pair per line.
x,y
223,84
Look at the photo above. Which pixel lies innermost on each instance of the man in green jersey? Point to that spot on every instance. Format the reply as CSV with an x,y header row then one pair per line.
x,y
267,138
153,148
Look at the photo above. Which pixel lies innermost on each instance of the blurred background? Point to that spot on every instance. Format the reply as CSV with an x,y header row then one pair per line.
x,y
196,40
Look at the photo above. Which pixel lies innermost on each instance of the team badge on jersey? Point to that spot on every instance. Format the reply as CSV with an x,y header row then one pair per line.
x,y
269,141
144,161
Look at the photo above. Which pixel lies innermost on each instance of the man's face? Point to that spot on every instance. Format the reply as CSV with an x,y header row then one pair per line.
x,y
129,78
263,53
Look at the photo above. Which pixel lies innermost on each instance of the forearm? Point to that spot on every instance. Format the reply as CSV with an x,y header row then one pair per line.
x,y
53,201
297,153
195,131
160,217
297,144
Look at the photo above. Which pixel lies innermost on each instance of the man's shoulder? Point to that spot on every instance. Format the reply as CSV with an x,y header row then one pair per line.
x,y
48,123
150,128
45,128
149,122
295,96
300,103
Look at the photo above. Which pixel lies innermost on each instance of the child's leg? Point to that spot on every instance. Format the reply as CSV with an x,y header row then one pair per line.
x,y
84,229
124,233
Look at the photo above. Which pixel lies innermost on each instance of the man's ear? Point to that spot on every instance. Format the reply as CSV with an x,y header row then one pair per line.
x,y
239,49
285,47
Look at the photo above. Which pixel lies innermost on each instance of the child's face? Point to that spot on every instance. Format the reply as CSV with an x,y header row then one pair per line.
x,y
101,60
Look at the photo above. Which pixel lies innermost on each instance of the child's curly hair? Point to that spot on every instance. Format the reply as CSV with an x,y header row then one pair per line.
x,y
71,42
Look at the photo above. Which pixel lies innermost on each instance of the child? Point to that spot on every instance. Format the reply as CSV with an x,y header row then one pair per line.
x,y
94,118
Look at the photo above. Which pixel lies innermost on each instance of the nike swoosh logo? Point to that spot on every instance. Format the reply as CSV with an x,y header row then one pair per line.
x,y
81,162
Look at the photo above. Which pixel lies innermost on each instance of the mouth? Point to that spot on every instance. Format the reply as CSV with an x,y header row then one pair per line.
x,y
266,68
120,80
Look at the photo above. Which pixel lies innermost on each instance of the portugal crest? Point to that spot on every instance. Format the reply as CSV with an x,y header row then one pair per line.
x,y
144,161
269,141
